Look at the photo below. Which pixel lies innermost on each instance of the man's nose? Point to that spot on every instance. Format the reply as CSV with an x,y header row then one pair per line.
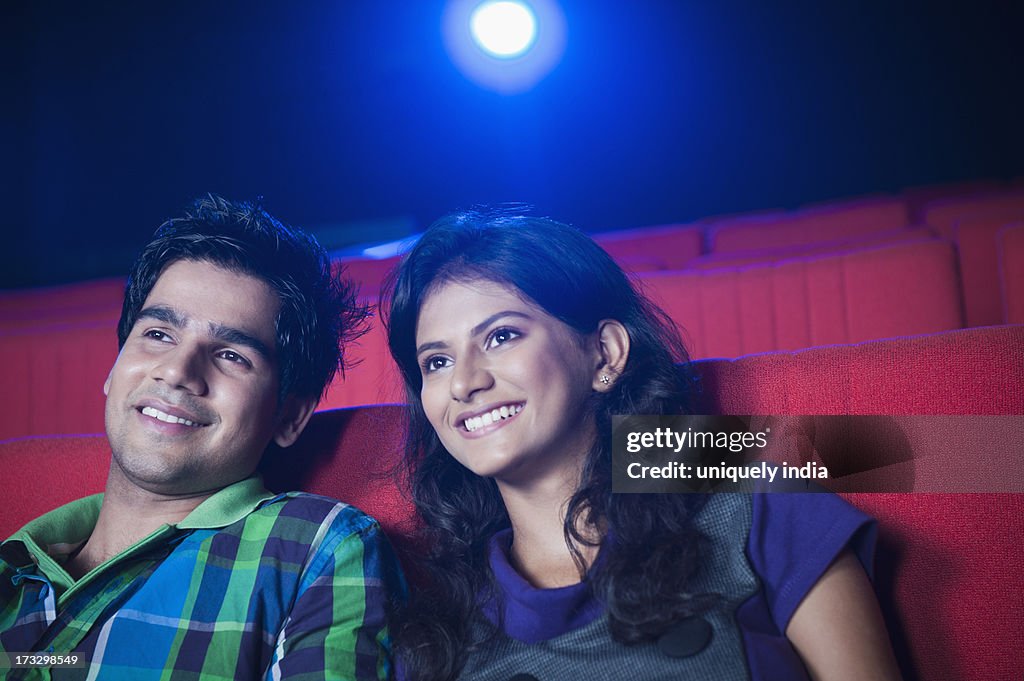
x,y
183,368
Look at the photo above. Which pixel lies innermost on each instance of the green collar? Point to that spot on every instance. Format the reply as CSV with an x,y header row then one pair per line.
x,y
59,532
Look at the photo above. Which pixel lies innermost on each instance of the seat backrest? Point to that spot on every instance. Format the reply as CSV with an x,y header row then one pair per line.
x,y
943,215
950,564
661,247
763,257
1011,272
831,222
53,378
978,254
897,290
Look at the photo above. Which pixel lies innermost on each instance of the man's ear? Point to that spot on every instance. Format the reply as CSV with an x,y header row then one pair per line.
x,y
292,419
613,345
106,383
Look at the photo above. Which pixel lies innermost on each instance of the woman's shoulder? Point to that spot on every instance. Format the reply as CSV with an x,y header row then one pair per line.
x,y
795,537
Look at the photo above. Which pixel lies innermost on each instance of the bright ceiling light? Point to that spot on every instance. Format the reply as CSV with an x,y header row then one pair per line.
x,y
503,29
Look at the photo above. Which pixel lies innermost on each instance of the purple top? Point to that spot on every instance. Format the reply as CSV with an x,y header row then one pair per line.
x,y
793,539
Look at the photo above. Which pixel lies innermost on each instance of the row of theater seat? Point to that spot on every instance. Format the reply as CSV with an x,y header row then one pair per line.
x,y
834,273
949,565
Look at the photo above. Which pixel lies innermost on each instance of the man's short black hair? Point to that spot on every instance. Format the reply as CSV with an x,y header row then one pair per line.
x,y
319,311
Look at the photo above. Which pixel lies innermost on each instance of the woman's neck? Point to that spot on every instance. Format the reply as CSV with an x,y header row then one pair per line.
x,y
539,552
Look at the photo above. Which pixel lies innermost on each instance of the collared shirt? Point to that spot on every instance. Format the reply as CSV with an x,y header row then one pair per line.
x,y
249,585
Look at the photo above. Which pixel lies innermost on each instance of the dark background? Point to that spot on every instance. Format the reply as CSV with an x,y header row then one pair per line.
x,y
349,118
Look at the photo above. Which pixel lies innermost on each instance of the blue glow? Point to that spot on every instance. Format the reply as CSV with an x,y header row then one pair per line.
x,y
504,46
504,29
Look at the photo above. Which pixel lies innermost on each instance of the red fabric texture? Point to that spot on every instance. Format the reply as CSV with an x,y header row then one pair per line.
x,y
969,371
830,222
53,379
920,197
374,379
948,577
944,214
366,272
1011,272
899,290
664,247
773,255
949,564
57,300
979,265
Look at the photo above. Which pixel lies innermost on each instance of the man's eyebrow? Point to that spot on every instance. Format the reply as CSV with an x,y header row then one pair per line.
x,y
475,331
234,336
165,314
225,334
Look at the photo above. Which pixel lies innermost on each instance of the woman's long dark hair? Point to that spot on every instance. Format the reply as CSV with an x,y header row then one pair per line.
x,y
643,574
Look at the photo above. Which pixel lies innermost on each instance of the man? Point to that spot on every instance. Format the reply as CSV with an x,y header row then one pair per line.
x,y
186,567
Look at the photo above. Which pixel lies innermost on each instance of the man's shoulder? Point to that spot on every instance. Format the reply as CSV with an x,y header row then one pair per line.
x,y
299,515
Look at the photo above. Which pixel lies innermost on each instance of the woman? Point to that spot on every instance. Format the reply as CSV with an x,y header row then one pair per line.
x,y
518,338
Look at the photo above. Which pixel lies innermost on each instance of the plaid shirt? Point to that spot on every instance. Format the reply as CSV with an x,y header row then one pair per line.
x,y
249,585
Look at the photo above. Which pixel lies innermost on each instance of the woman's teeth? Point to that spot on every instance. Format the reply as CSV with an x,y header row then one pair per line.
x,y
499,414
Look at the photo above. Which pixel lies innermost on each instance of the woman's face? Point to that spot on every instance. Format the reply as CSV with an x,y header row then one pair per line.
x,y
505,384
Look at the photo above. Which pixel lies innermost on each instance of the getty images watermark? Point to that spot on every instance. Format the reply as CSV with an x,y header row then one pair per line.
x,y
684,454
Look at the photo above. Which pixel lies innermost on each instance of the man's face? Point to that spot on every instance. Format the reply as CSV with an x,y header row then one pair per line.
x,y
192,400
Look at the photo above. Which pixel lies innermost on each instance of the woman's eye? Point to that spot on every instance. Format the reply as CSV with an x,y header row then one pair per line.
x,y
502,336
435,363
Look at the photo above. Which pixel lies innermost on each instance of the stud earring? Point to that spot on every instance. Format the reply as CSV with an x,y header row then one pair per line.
x,y
605,379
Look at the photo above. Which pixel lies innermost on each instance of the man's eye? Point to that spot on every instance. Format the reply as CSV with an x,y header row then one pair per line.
x,y
156,334
232,356
502,336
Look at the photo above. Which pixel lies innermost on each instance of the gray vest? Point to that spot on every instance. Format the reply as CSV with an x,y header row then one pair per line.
x,y
590,653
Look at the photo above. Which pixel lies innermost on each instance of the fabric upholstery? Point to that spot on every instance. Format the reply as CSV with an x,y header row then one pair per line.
x,y
1011,272
949,567
663,247
805,302
829,222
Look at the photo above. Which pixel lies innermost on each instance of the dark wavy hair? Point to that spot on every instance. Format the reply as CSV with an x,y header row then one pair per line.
x,y
319,313
643,574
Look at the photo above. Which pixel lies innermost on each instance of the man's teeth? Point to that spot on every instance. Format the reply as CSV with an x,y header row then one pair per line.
x,y
504,412
168,418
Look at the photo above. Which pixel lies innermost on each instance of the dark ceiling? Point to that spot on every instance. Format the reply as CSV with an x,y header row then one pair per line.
x,y
351,114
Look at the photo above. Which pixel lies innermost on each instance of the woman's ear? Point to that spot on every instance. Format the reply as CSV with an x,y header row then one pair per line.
x,y
613,345
292,419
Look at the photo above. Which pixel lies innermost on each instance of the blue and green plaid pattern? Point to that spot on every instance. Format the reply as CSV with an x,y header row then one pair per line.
x,y
250,585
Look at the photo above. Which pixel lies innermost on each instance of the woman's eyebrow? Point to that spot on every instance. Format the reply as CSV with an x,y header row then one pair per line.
x,y
482,326
475,331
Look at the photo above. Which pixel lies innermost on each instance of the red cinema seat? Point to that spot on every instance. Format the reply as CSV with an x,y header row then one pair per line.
x,y
949,567
53,378
920,196
949,564
85,302
754,257
368,273
65,297
372,378
943,215
665,247
1011,272
831,222
899,290
976,246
